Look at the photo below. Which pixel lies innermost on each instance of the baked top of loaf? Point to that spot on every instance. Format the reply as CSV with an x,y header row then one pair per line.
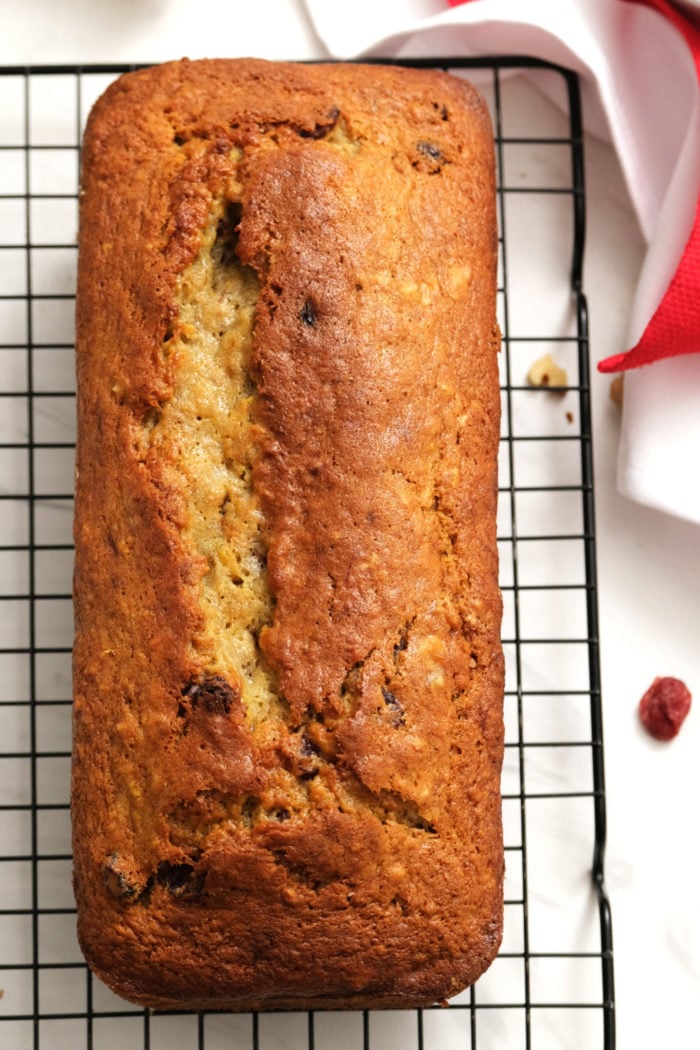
x,y
288,674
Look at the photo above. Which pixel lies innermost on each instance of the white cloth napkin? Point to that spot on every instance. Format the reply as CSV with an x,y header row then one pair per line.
x,y
640,88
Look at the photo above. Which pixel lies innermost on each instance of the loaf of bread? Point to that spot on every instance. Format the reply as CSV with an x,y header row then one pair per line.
x,y
288,673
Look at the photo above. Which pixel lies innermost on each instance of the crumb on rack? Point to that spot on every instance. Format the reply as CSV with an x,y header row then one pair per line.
x,y
545,372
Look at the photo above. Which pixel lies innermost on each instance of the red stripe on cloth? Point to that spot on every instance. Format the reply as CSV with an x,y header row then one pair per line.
x,y
674,328
686,27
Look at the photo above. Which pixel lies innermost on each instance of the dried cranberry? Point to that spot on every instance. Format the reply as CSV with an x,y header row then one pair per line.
x,y
664,707
429,149
308,314
395,706
322,129
181,880
210,692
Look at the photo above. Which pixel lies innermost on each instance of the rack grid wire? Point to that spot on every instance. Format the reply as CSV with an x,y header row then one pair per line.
x,y
552,983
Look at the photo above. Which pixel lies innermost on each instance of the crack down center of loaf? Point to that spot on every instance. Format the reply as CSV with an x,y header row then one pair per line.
x,y
206,426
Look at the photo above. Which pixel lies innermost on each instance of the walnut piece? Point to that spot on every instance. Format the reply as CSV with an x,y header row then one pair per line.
x,y
617,389
546,372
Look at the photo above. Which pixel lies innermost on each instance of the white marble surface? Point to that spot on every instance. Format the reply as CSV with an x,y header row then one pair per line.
x,y
649,584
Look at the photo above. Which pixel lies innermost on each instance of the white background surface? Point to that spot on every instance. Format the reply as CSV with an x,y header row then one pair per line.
x,y
649,564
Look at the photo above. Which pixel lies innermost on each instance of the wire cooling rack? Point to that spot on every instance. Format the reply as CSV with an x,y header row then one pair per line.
x,y
552,984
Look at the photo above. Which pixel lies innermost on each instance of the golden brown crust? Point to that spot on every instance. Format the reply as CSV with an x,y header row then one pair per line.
x,y
343,847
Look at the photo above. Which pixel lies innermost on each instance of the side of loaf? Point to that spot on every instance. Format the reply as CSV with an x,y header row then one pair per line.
x,y
288,677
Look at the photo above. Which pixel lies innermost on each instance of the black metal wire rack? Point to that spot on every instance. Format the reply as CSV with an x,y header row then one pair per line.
x,y
552,984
